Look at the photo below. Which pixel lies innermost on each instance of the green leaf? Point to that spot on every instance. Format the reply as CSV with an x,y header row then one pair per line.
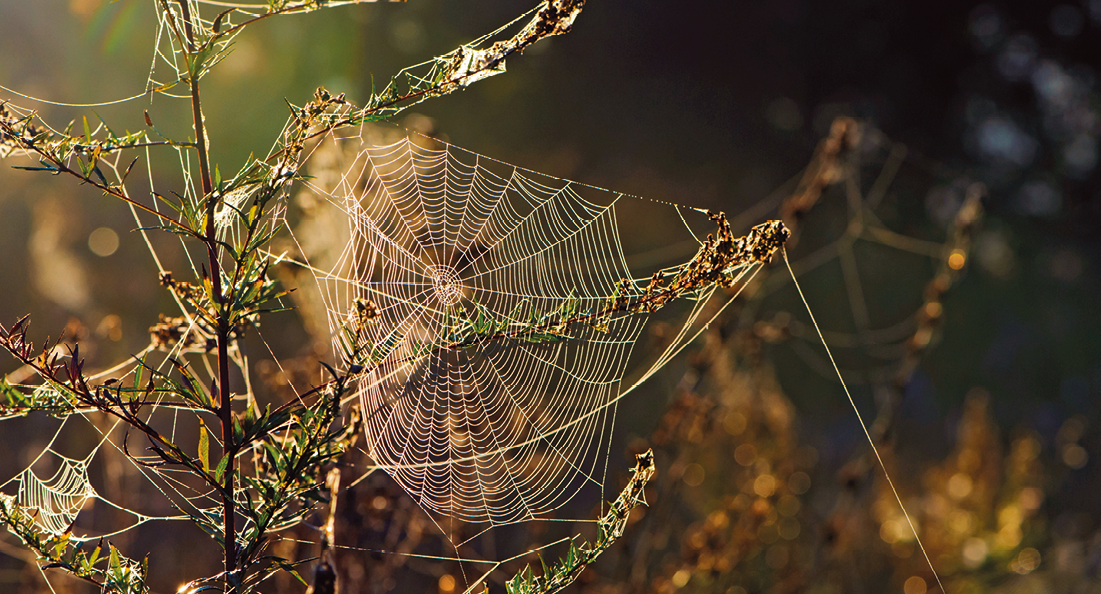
x,y
114,563
238,432
9,392
218,20
46,167
220,471
208,288
204,446
287,567
110,133
59,546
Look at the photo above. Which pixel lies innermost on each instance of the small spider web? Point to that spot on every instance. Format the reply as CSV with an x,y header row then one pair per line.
x,y
456,274
56,502
59,498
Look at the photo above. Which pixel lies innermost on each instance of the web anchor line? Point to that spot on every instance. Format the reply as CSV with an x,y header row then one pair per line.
x,y
863,426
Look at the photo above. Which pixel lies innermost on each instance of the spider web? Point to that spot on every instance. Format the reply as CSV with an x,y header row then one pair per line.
x,y
450,246
480,400
442,241
498,432
55,502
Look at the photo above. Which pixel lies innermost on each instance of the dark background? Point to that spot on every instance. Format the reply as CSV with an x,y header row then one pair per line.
x,y
712,105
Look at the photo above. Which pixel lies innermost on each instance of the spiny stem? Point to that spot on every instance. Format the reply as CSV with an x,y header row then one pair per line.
x,y
225,410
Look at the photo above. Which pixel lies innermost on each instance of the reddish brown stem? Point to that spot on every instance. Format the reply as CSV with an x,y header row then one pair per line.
x,y
225,409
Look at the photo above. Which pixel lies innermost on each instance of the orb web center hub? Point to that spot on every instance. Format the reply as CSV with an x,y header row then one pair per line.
x,y
446,284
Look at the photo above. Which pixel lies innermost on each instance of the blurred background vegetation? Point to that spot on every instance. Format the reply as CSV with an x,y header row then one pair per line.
x,y
992,433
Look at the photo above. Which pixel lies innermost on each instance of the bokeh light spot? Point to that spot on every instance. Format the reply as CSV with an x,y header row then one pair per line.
x,y
745,454
799,482
103,242
789,528
734,423
1026,562
764,485
959,486
694,475
110,327
957,259
788,505
974,552
1075,456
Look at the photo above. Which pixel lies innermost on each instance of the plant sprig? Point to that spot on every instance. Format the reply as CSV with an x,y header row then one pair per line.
x,y
580,554
111,573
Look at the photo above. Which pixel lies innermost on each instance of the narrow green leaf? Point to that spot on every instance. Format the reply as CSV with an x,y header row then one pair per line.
x,y
93,162
114,563
204,446
290,569
220,471
238,432
26,168
110,133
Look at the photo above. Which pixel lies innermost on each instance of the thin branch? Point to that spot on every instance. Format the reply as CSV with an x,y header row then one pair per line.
x,y
59,166
225,409
463,66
